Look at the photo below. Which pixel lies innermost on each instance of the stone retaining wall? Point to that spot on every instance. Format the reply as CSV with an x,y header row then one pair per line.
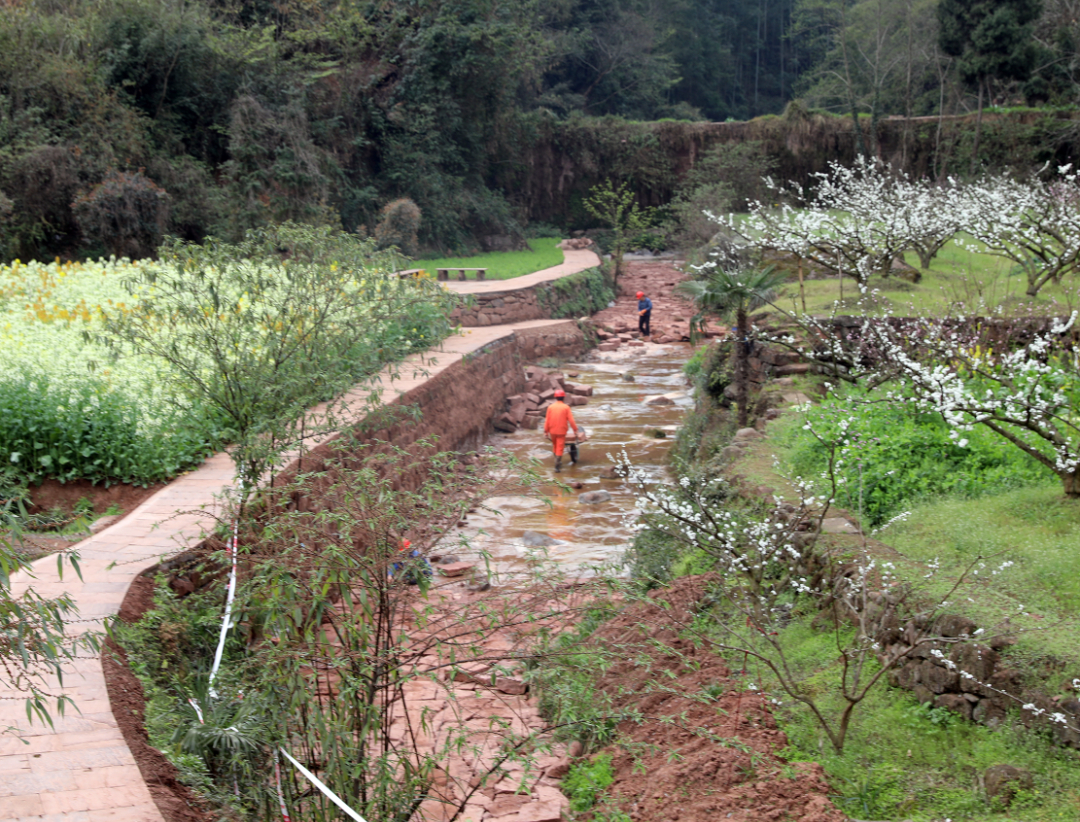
x,y
982,696
568,296
459,405
500,308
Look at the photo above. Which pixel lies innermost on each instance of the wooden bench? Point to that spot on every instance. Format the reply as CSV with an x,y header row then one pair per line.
x,y
443,274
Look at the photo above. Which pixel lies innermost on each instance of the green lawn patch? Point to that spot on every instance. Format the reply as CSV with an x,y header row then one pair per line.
x,y
1037,531
897,456
957,275
986,499
906,761
504,265
982,282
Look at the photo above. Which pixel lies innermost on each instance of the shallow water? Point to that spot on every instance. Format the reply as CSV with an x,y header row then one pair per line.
x,y
616,420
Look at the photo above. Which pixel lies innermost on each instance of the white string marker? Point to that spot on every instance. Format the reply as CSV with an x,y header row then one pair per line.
x,y
228,608
314,780
280,794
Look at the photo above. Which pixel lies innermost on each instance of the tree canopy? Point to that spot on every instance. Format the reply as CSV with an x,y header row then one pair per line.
x,y
250,112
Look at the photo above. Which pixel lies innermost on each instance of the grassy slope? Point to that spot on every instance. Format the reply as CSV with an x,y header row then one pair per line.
x,y
907,761
503,265
956,275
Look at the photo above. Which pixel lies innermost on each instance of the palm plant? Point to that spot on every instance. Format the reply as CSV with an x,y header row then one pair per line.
x,y
737,291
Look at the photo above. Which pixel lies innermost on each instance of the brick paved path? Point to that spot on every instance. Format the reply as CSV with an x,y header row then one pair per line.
x,y
82,771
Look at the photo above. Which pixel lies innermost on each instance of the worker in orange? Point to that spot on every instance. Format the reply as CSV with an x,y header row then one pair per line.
x,y
556,423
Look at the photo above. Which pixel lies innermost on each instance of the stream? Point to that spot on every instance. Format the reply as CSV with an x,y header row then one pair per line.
x,y
616,420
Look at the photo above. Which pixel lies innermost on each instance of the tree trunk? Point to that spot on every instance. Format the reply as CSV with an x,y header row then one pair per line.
x,y
742,367
1070,482
860,145
978,131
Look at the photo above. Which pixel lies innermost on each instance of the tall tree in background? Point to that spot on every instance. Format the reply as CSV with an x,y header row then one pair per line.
x,y
992,40
827,22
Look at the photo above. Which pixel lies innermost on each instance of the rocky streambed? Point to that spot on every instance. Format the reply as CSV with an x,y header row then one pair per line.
x,y
629,401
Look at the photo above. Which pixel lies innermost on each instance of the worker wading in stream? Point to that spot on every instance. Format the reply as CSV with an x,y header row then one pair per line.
x,y
558,421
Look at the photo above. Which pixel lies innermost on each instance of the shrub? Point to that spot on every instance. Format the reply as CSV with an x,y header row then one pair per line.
x,y
398,226
6,208
899,456
541,230
579,295
42,183
586,781
91,430
690,226
125,213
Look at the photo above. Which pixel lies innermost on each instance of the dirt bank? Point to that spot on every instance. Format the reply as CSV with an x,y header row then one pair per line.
x,y
708,745
175,800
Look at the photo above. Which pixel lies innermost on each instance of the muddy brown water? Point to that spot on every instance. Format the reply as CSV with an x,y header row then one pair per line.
x,y
617,420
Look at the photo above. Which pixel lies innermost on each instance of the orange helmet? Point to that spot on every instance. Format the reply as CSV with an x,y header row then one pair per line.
x,y
560,393
640,294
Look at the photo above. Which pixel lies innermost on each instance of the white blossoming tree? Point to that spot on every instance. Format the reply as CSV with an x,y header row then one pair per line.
x,y
1035,223
971,374
857,221
770,567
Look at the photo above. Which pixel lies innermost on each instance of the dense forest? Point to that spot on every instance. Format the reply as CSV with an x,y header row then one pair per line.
x,y
196,117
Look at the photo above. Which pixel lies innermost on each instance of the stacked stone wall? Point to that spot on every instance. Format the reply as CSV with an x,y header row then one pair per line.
x,y
458,406
576,295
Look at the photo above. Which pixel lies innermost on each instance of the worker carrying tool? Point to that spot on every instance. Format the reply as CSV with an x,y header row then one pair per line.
x,y
644,306
557,422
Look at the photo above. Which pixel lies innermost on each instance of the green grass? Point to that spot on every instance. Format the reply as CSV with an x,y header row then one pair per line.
x,y
955,276
504,265
898,457
986,500
908,761
1038,530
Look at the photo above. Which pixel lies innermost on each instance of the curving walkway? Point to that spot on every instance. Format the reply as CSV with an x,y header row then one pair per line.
x,y
82,770
574,260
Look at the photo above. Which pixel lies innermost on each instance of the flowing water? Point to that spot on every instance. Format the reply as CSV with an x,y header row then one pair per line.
x,y
617,420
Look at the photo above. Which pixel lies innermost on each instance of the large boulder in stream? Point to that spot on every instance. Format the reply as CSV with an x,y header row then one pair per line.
x,y
594,497
534,539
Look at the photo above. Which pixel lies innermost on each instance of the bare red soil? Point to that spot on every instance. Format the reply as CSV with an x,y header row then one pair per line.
x,y
175,801
705,757
53,494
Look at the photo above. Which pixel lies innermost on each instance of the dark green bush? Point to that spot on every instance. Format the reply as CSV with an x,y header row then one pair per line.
x,y
651,556
711,369
901,456
125,213
399,226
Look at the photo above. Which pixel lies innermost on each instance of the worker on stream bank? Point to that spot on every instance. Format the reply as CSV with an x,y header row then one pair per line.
x,y
556,423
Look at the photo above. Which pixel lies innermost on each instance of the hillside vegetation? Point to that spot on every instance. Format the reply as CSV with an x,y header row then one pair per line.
x,y
125,120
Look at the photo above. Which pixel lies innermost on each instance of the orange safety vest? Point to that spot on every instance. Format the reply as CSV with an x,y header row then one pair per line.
x,y
558,419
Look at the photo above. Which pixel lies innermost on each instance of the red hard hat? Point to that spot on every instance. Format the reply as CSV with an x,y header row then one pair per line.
x,y
560,393
405,545
640,294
